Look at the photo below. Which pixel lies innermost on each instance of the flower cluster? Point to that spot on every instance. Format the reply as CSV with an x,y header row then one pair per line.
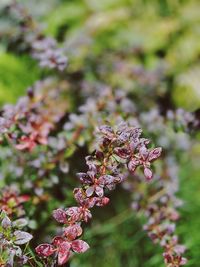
x,y
115,147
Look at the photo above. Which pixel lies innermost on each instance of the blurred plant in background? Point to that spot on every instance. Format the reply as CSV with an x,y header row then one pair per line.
x,y
86,64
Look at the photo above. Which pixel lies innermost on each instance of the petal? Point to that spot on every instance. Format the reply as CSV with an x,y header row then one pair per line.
x,y
45,250
63,253
80,246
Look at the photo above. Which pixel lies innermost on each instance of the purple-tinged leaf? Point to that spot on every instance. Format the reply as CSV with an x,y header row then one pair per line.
x,y
22,237
60,216
143,152
154,154
132,165
107,130
6,222
122,152
74,213
20,223
84,177
89,191
99,191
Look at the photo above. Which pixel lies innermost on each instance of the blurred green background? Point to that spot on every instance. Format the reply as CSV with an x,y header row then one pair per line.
x,y
156,33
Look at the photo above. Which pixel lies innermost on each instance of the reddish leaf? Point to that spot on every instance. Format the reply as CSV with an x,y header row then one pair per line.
x,y
23,198
73,231
85,214
60,216
79,195
132,165
101,201
122,152
45,250
26,143
57,240
148,173
80,246
63,253
154,154
74,213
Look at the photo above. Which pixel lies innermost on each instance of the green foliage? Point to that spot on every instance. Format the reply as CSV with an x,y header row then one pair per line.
x,y
189,224
16,74
165,31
